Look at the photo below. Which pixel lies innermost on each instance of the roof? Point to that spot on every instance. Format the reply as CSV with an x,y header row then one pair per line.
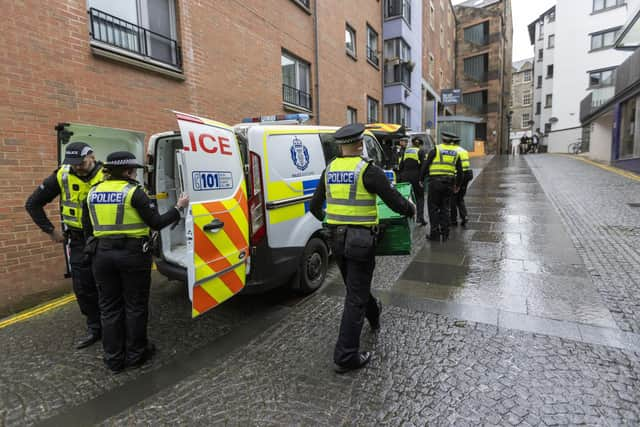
x,y
478,3
517,65
532,26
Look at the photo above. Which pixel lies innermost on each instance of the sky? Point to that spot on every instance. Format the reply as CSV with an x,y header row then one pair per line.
x,y
523,13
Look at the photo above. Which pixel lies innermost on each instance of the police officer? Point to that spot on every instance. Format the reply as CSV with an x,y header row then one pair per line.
x,y
72,182
349,185
444,168
409,171
121,215
457,199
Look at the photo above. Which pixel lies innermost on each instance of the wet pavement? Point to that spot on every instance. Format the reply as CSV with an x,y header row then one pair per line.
x,y
506,323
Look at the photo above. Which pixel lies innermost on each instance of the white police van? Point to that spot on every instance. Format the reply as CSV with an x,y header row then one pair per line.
x,y
249,220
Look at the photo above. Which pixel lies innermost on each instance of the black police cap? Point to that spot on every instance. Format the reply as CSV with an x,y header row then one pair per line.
x,y
449,136
122,159
74,153
349,134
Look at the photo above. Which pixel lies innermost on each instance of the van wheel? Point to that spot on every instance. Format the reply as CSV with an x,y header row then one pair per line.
x,y
313,267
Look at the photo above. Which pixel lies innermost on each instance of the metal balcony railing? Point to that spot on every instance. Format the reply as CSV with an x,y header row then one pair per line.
x,y
116,32
372,55
294,96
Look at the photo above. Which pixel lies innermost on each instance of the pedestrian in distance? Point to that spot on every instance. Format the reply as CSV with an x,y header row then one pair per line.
x,y
409,171
120,218
457,199
72,181
349,185
444,169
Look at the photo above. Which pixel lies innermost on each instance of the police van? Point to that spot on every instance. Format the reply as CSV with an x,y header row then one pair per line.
x,y
248,225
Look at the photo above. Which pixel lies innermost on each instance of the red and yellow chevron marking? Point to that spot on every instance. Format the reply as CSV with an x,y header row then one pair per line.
x,y
215,252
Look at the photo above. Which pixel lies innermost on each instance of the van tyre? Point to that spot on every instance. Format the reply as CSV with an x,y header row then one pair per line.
x,y
313,266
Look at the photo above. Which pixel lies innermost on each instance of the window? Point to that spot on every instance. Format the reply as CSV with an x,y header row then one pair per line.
x,y
372,110
551,17
549,71
604,39
372,46
477,67
540,54
599,5
144,29
541,28
295,81
475,101
539,82
551,40
527,76
397,113
477,34
538,107
432,64
547,128
304,3
441,37
350,40
397,9
398,65
548,101
352,115
602,78
526,98
525,120
431,15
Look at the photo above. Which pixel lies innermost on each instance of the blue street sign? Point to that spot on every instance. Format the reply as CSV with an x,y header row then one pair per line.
x,y
451,96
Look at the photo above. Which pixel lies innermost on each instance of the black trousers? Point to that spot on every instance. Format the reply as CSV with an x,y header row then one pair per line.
x,y
123,276
457,202
84,285
358,303
439,202
413,177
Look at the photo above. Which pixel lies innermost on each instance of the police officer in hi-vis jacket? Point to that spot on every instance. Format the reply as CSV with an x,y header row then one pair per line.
x,y
349,185
444,168
121,216
72,181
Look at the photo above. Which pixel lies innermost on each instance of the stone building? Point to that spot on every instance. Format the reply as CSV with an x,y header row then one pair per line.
x,y
521,99
125,64
483,68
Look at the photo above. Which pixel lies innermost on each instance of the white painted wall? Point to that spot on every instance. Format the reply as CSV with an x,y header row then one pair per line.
x,y
540,69
572,60
600,145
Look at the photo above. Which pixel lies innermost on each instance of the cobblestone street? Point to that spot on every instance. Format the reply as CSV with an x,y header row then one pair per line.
x,y
528,316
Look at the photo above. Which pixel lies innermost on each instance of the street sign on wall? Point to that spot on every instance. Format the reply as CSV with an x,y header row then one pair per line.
x,y
451,96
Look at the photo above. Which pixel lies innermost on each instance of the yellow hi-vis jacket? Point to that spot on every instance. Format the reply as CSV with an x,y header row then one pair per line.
x,y
111,212
73,193
411,153
464,159
348,201
444,163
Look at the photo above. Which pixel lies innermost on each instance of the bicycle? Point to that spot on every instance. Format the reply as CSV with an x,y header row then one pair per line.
x,y
575,147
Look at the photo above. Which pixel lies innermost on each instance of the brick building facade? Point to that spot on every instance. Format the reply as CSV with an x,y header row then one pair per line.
x,y
438,55
483,71
218,58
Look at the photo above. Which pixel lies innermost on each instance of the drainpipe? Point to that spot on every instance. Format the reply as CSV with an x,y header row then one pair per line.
x,y
317,58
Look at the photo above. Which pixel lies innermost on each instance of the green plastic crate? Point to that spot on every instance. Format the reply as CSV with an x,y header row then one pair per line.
x,y
396,237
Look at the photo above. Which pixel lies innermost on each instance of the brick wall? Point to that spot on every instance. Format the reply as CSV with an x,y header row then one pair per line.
x,y
443,53
232,69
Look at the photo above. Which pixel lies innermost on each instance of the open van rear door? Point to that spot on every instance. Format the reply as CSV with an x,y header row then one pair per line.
x,y
216,224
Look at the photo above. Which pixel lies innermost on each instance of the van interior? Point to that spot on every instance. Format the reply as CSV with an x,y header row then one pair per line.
x,y
167,187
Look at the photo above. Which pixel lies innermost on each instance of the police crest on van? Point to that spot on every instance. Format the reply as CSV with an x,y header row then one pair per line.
x,y
299,154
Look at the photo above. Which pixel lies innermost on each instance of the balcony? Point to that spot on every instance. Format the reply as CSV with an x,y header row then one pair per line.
x,y
597,98
144,44
372,56
296,97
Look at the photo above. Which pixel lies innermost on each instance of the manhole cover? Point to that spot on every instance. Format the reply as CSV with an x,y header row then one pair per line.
x,y
634,205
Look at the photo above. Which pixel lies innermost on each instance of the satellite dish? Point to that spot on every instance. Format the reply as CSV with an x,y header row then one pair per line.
x,y
553,120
